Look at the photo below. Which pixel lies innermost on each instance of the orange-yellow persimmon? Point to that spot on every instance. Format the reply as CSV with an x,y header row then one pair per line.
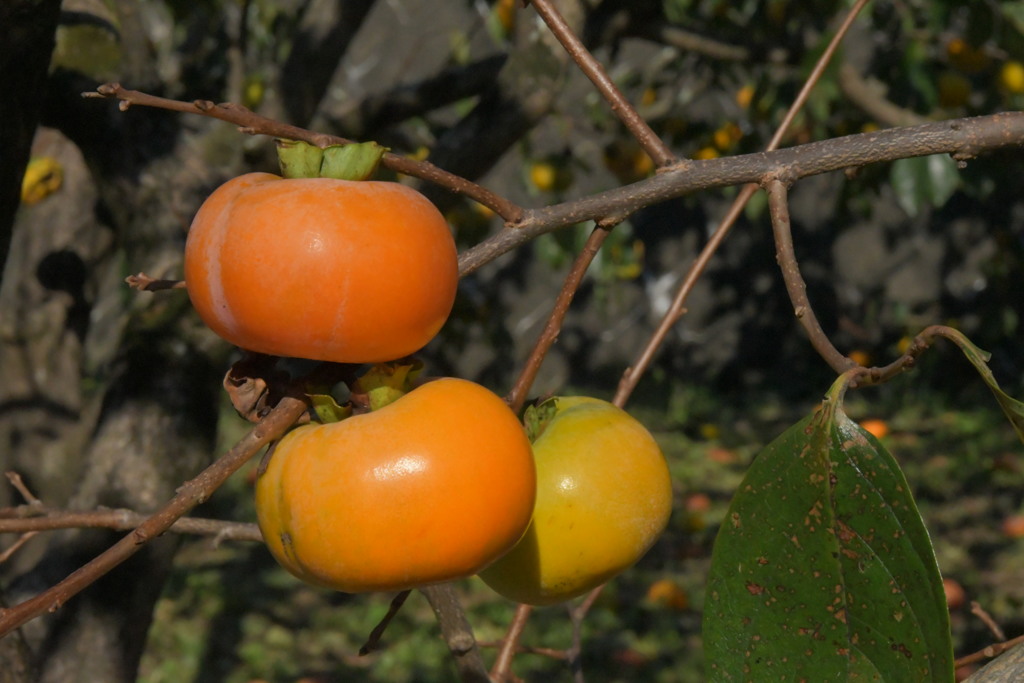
x,y
604,496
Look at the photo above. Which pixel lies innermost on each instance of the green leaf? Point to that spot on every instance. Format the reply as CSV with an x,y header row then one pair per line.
x,y
1012,408
823,570
924,180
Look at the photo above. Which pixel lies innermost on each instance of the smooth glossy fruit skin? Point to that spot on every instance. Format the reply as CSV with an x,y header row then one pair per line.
x,y
336,270
604,496
430,488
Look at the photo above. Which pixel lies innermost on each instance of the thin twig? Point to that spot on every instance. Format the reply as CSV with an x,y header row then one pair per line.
x,y
648,139
502,668
633,373
631,376
14,547
254,124
190,494
27,518
553,653
866,95
673,35
816,74
778,206
988,652
373,642
577,614
145,283
918,345
986,618
19,484
517,395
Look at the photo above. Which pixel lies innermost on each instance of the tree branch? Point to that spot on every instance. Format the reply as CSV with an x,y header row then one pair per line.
x,y
963,138
190,494
252,123
31,518
457,632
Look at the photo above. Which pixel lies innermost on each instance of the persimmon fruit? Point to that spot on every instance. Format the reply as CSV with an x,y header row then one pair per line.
x,y
604,496
320,268
878,428
430,488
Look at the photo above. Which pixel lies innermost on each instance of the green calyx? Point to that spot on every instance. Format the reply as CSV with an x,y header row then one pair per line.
x,y
385,383
353,161
536,417
327,409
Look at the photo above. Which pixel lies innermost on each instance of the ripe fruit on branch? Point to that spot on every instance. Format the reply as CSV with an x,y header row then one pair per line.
x,y
321,268
604,495
430,488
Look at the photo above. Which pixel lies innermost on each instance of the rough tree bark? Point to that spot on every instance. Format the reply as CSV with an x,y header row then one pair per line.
x,y
108,398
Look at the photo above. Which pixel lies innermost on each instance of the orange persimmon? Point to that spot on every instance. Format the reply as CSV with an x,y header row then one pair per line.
x,y
320,268
432,487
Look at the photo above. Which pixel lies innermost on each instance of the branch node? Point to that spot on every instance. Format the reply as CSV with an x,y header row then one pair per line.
x,y
18,483
461,643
